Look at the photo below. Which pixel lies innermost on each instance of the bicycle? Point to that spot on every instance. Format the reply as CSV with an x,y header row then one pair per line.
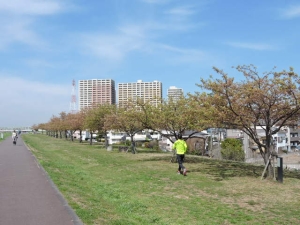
x,y
15,140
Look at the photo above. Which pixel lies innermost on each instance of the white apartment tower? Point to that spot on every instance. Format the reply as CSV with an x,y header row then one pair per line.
x,y
175,93
96,91
147,91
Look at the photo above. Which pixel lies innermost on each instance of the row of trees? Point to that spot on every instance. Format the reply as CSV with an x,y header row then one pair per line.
x,y
266,101
175,117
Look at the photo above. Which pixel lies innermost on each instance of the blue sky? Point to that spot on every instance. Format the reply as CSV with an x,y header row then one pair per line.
x,y
45,44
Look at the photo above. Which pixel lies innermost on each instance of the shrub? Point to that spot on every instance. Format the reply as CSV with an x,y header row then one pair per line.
x,y
127,143
152,144
138,144
232,149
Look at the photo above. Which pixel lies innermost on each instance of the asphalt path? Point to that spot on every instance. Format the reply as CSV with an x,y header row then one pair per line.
x,y
27,194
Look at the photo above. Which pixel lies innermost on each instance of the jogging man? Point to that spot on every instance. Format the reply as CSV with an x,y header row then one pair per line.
x,y
181,147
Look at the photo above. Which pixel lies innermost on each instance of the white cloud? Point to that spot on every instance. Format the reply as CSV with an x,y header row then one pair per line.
x,y
133,30
181,11
133,38
180,18
138,36
36,63
16,85
184,55
177,50
141,36
17,20
18,31
156,1
31,7
25,103
291,12
128,38
252,46
113,47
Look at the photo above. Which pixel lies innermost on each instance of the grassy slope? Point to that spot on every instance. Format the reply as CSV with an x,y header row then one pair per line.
x,y
5,135
121,188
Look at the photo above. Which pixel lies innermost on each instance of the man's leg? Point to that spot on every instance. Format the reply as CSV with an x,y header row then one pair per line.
x,y
182,166
180,162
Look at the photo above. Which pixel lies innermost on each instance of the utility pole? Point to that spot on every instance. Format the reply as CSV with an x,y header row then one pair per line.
x,y
73,98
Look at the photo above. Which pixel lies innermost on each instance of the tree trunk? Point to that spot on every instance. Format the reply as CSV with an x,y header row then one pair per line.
x,y
91,138
267,159
80,136
106,140
132,145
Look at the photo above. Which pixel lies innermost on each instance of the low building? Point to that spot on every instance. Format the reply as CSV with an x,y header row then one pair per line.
x,y
117,137
295,138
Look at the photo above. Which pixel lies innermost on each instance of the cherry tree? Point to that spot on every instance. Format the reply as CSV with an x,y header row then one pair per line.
x,y
266,101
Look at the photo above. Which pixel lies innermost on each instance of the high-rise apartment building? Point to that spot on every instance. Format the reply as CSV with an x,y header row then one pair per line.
x,y
175,93
96,91
147,91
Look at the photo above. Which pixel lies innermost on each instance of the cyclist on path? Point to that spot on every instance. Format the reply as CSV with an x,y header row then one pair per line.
x,y
14,136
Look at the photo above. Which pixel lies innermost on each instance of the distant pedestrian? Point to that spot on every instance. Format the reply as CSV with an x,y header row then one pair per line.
x,y
181,147
14,136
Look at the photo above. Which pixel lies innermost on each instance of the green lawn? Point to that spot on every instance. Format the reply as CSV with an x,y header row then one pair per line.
x,y
109,187
5,135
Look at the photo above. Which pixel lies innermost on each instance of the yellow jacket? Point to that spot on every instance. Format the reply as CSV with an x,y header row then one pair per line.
x,y
180,146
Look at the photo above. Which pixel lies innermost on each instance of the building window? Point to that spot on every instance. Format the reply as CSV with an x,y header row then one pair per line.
x,y
280,139
294,134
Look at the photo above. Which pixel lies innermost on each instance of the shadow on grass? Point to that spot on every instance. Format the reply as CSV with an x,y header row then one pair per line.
x,y
223,169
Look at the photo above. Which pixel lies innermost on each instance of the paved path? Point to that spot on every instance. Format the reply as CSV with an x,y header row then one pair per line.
x,y
27,195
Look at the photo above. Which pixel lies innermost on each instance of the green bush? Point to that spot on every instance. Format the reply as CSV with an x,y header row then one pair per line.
x,y
127,143
232,149
138,144
151,144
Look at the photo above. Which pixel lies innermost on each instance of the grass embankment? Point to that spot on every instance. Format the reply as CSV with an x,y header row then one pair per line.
x,y
121,188
5,135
